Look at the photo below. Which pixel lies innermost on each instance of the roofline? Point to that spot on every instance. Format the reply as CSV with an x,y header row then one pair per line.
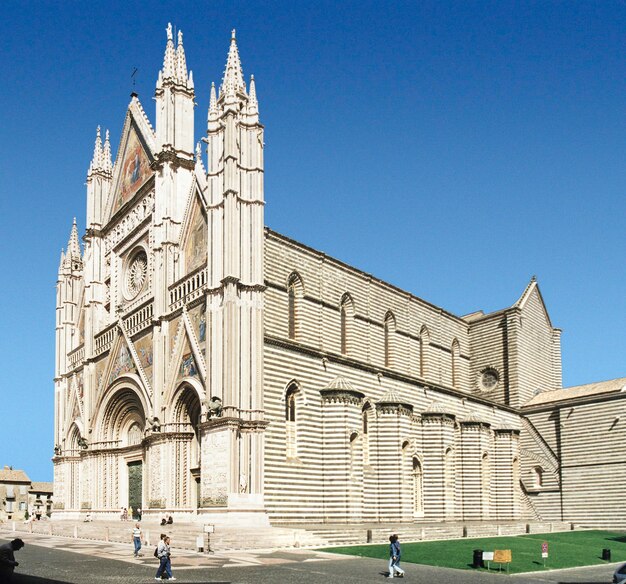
x,y
271,233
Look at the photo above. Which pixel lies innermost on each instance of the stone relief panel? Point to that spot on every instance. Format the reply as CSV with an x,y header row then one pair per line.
x,y
213,483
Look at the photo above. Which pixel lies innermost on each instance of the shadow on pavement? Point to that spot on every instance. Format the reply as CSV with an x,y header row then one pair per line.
x,y
24,579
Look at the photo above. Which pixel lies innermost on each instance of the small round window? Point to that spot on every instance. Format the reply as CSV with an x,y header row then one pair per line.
x,y
136,274
489,379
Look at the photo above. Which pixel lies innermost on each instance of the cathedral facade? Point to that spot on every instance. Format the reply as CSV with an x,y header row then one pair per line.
x,y
212,368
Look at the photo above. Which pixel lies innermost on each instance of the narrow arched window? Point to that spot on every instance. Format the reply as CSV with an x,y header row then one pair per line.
x,y
295,292
292,312
365,421
537,477
344,339
417,487
455,353
390,329
291,419
424,345
290,406
346,316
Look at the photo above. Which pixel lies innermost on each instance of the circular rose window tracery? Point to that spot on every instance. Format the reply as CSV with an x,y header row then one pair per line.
x,y
136,274
489,379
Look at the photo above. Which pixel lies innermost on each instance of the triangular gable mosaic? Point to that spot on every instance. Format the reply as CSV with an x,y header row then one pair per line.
x,y
188,366
123,363
134,171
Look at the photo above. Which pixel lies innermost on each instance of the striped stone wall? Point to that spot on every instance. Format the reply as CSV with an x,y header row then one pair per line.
x,y
588,438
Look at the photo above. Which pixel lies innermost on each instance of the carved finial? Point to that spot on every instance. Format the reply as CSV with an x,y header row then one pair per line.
x,y
169,31
233,35
180,37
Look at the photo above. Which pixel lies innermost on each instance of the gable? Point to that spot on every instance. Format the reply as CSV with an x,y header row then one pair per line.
x,y
534,306
121,362
132,167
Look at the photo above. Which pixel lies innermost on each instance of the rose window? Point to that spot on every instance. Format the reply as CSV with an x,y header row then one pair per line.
x,y
136,274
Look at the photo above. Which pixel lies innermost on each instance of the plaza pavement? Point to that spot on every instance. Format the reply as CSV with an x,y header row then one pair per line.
x,y
54,560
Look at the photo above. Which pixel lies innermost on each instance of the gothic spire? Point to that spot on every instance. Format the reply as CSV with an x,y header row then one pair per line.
x,y
213,103
73,245
174,62
181,62
96,161
233,74
253,104
169,59
107,163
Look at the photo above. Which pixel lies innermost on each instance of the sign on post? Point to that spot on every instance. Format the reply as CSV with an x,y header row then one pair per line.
x,y
488,557
544,552
502,557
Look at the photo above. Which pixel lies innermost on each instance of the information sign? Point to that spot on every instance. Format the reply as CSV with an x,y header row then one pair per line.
x,y
502,556
487,556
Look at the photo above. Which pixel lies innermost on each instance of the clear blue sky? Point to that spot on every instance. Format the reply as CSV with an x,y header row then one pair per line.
x,y
452,148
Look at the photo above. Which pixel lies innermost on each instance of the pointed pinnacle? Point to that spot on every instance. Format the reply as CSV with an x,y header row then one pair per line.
x,y
169,59
181,63
213,100
73,245
96,161
233,74
253,104
107,163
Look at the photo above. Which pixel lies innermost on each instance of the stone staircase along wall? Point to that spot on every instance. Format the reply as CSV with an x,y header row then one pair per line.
x,y
185,535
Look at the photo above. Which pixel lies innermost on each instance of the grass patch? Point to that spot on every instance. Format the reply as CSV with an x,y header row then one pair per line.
x,y
566,550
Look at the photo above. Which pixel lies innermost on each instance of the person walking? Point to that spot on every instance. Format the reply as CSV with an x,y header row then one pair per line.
x,y
136,537
7,559
394,557
165,565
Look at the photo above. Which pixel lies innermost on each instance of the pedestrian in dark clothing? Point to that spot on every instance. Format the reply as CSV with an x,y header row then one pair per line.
x,y
394,557
165,565
7,559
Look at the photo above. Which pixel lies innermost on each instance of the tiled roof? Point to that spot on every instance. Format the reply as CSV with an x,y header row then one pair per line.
x,y
39,487
8,475
590,389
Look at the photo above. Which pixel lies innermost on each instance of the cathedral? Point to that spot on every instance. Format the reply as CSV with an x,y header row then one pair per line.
x,y
212,368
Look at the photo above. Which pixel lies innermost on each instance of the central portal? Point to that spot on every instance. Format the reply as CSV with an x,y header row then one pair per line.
x,y
135,472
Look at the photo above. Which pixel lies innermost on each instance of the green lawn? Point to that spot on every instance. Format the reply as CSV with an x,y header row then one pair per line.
x,y
566,550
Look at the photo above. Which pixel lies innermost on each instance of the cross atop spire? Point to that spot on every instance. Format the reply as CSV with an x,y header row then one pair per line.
x,y
174,62
233,81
